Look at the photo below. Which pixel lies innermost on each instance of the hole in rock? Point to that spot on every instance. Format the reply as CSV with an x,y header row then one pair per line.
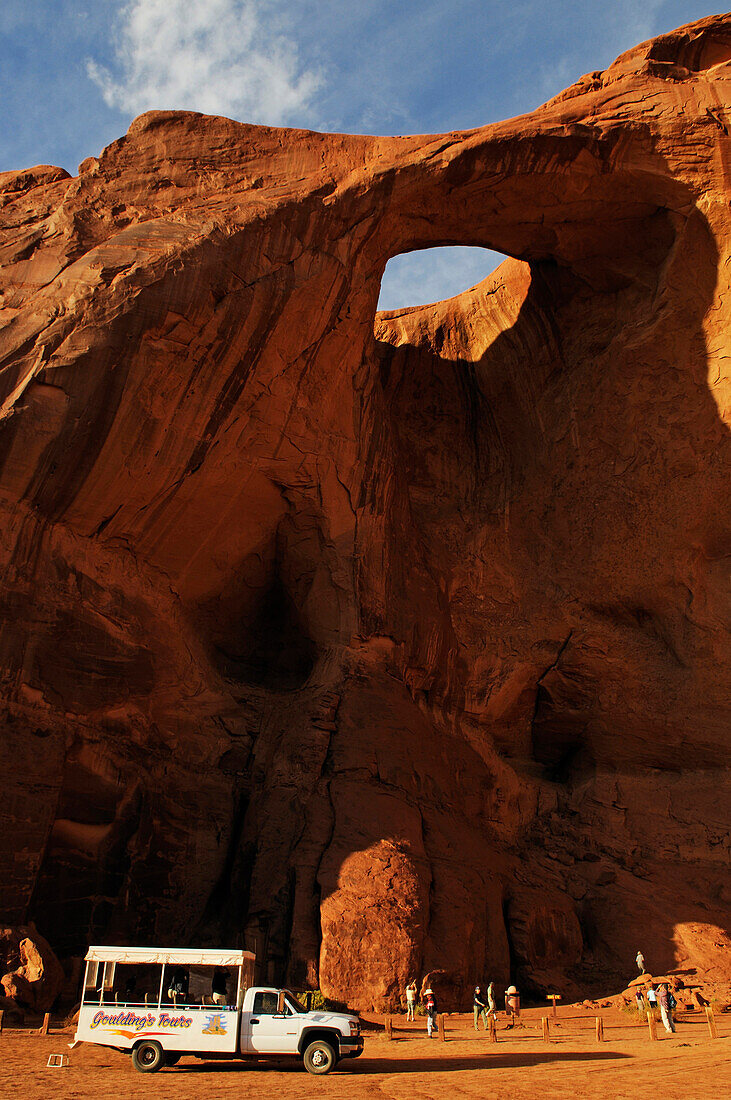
x,y
433,274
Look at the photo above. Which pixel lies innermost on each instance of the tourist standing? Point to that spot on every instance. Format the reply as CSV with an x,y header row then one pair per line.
x,y
430,1003
640,960
666,1012
479,1008
491,1007
410,999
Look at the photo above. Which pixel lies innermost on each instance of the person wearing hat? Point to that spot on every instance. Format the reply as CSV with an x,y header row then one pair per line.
x,y
479,1008
512,1004
430,1003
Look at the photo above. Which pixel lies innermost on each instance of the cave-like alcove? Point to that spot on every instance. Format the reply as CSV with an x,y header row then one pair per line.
x,y
274,650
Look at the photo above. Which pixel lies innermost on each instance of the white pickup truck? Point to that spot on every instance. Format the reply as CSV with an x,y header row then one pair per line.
x,y
160,1005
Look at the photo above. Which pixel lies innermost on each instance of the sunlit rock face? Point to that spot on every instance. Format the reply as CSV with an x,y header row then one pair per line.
x,y
382,648
32,976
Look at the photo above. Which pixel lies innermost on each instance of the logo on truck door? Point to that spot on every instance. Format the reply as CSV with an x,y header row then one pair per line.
x,y
216,1025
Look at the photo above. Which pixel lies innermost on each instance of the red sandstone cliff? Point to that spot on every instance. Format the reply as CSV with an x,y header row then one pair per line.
x,y
382,651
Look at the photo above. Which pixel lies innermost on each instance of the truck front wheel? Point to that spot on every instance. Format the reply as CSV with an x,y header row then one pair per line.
x,y
148,1057
319,1057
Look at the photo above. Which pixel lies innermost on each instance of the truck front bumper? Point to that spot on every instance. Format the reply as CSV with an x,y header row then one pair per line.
x,y
351,1047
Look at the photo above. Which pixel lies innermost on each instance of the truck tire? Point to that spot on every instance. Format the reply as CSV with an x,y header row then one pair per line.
x,y
319,1057
148,1056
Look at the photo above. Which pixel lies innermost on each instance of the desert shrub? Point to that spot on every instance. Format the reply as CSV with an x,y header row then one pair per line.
x,y
320,1003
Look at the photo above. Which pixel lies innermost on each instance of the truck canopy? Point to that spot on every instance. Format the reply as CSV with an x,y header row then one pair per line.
x,y
183,956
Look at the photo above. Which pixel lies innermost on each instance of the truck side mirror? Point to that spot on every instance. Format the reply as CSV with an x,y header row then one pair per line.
x,y
280,1003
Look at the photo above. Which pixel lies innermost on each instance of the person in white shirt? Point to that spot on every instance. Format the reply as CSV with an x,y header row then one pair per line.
x,y
410,999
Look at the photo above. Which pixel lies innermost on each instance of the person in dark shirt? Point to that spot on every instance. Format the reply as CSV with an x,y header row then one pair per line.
x,y
430,1003
479,1008
178,987
219,986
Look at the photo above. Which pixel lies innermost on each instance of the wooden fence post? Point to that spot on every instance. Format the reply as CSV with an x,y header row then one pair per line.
x,y
442,1029
651,1024
2,1013
43,1030
544,1028
599,1029
389,1027
492,1028
711,1022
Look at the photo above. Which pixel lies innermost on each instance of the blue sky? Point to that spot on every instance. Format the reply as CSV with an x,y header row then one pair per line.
x,y
73,73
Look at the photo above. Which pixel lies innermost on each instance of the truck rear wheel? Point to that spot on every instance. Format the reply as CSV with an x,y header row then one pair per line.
x,y
319,1057
148,1056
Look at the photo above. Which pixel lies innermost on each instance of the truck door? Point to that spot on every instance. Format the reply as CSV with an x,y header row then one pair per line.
x,y
267,1032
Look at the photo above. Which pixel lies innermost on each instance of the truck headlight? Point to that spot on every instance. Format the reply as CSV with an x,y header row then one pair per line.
x,y
354,1027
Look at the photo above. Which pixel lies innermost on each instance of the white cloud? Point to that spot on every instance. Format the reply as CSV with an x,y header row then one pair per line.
x,y
230,57
430,275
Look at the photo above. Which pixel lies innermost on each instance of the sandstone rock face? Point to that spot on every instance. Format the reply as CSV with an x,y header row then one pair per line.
x,y
32,976
384,646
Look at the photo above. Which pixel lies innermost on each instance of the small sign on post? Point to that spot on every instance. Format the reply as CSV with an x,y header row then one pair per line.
x,y
553,997
544,1028
711,1022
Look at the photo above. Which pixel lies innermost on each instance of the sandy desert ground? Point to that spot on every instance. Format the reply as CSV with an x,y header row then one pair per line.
x,y
522,1066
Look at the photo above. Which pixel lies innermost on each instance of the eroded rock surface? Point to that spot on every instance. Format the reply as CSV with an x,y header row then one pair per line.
x,y
31,976
387,650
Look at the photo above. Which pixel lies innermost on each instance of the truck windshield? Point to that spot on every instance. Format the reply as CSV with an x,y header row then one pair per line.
x,y
292,1003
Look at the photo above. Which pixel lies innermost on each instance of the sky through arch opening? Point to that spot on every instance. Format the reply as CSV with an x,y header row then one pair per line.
x,y
433,274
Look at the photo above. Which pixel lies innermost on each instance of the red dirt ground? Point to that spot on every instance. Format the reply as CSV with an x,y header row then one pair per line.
x,y
685,1066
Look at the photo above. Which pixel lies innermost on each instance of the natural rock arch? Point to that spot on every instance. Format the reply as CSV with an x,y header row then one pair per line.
x,y
492,531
